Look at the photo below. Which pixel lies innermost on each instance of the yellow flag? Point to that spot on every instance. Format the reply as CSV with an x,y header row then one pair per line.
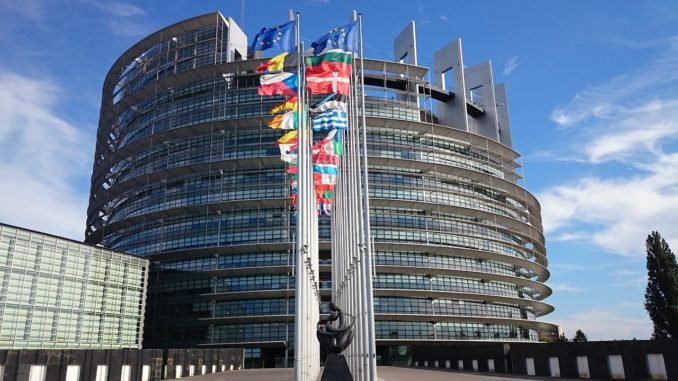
x,y
287,105
274,64
288,138
284,122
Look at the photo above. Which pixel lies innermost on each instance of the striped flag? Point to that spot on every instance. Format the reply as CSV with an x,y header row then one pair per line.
x,y
274,64
326,194
328,82
324,179
286,121
288,138
331,144
331,102
287,153
289,105
325,209
329,72
278,84
330,120
328,169
325,158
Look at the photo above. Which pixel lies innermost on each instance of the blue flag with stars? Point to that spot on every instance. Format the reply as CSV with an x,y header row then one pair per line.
x,y
281,36
344,38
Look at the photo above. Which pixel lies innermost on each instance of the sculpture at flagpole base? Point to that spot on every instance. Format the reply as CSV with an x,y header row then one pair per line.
x,y
334,340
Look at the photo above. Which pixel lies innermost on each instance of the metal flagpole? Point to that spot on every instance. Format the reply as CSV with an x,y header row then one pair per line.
x,y
299,245
367,260
358,289
364,334
306,350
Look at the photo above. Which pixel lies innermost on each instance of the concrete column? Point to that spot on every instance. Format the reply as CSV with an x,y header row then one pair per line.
x,y
405,45
503,121
405,50
448,61
480,91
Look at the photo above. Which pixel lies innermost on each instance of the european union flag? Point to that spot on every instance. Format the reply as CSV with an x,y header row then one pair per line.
x,y
344,38
281,36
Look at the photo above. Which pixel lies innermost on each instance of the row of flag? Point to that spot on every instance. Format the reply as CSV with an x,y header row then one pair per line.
x,y
328,71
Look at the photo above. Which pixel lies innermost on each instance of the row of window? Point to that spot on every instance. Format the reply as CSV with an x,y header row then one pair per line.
x,y
202,284
164,200
393,330
211,149
269,226
165,196
384,330
78,328
445,198
452,284
159,60
425,260
433,182
385,305
67,294
229,261
385,258
254,307
220,147
389,218
397,305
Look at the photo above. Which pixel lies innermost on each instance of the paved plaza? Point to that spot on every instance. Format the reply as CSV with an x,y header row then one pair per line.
x,y
386,373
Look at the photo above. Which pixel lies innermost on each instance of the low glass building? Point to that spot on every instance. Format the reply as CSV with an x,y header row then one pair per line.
x,y
187,174
62,294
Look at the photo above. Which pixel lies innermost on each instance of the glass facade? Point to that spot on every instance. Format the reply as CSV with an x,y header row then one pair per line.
x,y
187,173
58,293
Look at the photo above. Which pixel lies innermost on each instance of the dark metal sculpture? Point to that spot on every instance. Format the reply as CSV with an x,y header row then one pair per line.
x,y
335,339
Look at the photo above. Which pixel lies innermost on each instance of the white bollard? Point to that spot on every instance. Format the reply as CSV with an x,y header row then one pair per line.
x,y
656,367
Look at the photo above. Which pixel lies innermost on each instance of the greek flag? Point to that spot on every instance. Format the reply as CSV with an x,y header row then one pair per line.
x,y
330,120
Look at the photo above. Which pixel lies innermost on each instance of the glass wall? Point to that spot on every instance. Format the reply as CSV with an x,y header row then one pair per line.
x,y
58,293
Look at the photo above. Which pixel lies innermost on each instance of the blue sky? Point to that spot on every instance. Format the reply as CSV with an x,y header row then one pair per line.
x,y
593,98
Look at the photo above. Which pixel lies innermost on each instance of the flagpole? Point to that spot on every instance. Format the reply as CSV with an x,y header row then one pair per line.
x,y
360,342
299,249
367,260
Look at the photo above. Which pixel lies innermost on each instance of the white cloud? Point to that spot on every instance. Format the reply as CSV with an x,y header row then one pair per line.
x,y
618,122
623,94
29,9
118,8
42,156
620,211
128,28
629,278
562,267
607,324
565,287
444,18
510,65
571,236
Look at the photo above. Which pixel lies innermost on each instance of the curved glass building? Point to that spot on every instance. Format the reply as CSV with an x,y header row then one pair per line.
x,y
187,174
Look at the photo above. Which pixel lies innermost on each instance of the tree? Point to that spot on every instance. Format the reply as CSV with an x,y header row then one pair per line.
x,y
580,337
661,293
562,339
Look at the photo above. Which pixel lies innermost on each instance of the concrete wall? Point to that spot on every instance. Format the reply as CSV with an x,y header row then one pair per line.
x,y
159,364
603,360
633,354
